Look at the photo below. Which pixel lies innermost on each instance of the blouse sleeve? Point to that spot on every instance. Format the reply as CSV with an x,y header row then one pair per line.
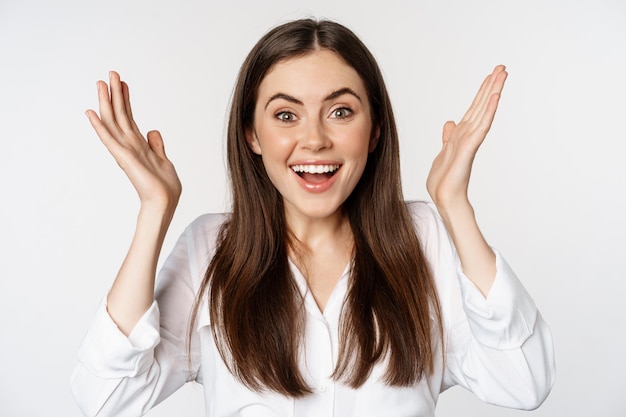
x,y
498,347
126,376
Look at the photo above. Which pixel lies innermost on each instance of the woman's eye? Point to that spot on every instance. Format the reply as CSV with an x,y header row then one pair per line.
x,y
285,116
341,113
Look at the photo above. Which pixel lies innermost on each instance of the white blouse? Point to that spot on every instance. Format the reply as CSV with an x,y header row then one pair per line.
x,y
499,347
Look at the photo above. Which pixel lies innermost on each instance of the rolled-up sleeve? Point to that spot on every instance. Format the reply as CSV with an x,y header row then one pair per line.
x,y
121,376
498,347
108,353
506,318
107,358
502,351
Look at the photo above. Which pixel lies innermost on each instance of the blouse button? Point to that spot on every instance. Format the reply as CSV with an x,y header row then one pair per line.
x,y
323,388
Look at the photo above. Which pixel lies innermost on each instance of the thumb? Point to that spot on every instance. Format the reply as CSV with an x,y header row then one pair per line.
x,y
448,127
156,143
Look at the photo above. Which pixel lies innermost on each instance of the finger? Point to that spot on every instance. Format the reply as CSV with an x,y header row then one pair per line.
x,y
129,111
477,99
105,109
118,102
126,95
490,112
492,97
156,143
498,82
103,133
496,85
448,127
493,83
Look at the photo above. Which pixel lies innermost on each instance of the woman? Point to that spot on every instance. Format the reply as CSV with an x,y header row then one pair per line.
x,y
322,293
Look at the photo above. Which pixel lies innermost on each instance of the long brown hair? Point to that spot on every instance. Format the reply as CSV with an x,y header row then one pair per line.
x,y
256,310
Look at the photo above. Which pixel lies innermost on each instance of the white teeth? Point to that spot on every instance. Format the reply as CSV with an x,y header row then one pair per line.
x,y
315,169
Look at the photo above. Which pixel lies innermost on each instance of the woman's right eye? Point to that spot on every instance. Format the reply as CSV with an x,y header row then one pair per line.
x,y
286,116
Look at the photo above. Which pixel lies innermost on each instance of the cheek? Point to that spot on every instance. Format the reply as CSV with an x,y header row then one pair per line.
x,y
275,143
358,143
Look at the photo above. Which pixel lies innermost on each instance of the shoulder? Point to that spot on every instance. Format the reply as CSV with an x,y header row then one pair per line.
x,y
421,209
426,220
434,238
201,235
206,226
196,245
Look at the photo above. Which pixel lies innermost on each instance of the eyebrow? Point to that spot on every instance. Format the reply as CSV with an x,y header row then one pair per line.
x,y
333,95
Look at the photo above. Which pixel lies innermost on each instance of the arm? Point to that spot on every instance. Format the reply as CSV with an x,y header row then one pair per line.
x,y
129,361
155,180
119,375
497,344
448,181
498,347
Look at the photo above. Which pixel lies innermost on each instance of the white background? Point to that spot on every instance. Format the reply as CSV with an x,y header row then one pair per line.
x,y
548,184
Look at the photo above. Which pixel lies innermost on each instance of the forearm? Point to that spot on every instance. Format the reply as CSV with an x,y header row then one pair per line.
x,y
132,292
477,259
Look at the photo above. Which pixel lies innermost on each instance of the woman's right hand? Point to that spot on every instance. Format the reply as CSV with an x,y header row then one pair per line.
x,y
143,160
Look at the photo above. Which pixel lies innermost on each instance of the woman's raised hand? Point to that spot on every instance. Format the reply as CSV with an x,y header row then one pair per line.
x,y
143,160
449,176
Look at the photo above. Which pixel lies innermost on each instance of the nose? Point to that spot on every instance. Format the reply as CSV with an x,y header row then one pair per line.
x,y
315,136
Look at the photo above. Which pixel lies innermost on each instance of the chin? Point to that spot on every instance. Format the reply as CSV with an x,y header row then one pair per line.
x,y
316,210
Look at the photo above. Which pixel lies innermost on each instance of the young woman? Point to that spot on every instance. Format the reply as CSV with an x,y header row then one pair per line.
x,y
323,293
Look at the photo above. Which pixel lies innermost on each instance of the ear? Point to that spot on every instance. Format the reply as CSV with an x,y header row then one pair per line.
x,y
253,141
374,139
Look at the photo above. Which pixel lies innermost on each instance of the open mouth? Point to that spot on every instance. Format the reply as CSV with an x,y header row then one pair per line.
x,y
315,174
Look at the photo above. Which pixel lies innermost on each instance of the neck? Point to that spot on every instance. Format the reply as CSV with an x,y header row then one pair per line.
x,y
313,234
320,248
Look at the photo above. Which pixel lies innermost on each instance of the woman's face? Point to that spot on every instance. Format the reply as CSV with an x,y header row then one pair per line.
x,y
313,130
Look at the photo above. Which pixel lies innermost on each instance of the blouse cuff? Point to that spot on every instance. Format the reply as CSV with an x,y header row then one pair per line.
x,y
506,317
108,353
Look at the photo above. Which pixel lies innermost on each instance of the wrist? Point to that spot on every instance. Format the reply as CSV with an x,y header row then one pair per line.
x,y
158,209
155,218
455,209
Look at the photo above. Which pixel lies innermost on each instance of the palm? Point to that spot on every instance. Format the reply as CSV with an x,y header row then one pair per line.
x,y
144,161
449,176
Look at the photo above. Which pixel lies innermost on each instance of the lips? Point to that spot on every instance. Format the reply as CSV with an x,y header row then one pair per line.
x,y
316,177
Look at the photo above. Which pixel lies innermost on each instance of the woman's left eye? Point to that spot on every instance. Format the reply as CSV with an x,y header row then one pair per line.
x,y
341,113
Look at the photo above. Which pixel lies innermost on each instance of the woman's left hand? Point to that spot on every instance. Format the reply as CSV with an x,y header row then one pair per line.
x,y
449,176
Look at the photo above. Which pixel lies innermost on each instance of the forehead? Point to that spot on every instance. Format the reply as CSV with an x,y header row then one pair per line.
x,y
314,74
